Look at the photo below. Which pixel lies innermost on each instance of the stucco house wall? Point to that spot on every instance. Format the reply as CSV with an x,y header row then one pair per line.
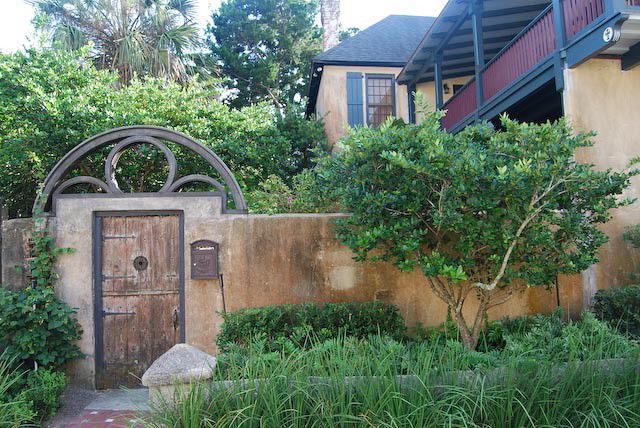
x,y
428,89
599,96
331,105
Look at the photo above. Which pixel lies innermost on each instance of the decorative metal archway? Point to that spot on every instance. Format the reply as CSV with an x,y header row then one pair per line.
x,y
124,138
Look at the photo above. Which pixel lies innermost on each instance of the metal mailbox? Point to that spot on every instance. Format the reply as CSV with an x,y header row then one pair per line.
x,y
204,260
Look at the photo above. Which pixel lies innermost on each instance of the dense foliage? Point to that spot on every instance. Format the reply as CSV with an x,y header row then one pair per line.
x,y
620,307
27,398
347,381
265,48
15,409
481,213
147,38
298,323
304,195
50,101
43,390
36,327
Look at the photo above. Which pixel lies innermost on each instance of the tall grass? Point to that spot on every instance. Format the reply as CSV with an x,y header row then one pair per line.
x,y
380,382
15,410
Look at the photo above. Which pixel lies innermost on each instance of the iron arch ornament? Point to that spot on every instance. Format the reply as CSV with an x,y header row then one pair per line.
x,y
127,137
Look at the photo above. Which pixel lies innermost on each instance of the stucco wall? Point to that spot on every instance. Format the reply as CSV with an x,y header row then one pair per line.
x,y
331,105
428,89
265,260
600,96
14,250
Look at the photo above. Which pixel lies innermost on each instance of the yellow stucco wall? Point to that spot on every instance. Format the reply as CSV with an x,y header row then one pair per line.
x,y
599,96
331,105
265,259
428,89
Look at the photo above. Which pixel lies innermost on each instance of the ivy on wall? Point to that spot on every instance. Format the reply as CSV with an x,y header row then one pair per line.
x,y
36,327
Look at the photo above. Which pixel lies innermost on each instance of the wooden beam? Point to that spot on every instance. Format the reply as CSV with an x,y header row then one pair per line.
x,y
478,49
631,59
437,72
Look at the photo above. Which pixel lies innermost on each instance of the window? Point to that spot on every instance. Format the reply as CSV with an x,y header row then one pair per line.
x,y
380,98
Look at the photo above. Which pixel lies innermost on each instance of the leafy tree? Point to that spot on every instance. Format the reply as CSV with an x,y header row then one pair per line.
x,y
482,213
52,100
147,37
265,48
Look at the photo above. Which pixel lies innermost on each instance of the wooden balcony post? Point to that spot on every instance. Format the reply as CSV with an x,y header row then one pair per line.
x,y
558,24
561,39
437,72
478,47
412,102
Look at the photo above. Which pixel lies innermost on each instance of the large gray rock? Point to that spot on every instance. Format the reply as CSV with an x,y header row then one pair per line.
x,y
181,364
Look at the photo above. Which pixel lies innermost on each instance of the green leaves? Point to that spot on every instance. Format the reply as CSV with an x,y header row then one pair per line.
x,y
481,206
143,38
35,325
51,101
264,48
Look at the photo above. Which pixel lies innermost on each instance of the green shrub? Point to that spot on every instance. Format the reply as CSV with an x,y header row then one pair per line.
x,y
620,307
37,327
50,101
557,341
304,195
15,409
44,388
299,322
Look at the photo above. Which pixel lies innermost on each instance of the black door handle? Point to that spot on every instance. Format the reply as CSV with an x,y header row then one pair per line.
x,y
176,319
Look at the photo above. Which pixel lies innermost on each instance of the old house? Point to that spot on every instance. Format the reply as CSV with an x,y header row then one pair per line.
x,y
536,60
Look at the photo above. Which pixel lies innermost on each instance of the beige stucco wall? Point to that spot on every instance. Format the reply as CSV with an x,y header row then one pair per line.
x,y
600,96
331,105
428,89
265,260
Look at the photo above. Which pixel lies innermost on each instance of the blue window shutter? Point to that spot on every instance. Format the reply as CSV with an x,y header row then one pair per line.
x,y
354,99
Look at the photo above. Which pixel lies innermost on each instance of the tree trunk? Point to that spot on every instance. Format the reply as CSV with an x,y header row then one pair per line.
x,y
330,17
470,334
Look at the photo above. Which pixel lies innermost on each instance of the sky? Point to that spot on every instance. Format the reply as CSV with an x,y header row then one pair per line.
x,y
16,28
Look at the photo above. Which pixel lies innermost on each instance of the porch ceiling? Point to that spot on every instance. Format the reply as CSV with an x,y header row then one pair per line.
x,y
502,20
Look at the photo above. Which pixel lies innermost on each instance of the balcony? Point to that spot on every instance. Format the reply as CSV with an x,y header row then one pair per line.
x,y
533,45
562,33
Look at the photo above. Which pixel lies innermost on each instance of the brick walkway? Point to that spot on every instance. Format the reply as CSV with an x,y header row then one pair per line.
x,y
105,409
105,419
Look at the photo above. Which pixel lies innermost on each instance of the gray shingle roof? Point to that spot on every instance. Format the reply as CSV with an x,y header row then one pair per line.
x,y
390,41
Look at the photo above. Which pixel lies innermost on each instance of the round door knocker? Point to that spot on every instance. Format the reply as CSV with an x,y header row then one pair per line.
x,y
140,263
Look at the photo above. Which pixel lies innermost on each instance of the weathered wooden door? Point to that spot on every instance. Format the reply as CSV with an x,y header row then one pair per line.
x,y
138,294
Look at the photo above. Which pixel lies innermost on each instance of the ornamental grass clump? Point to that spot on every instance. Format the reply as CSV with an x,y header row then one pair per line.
x,y
353,382
482,213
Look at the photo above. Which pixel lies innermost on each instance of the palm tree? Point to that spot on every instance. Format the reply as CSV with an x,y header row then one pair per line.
x,y
143,37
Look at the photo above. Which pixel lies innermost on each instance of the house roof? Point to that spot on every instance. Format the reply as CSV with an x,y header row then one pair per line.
x,y
387,43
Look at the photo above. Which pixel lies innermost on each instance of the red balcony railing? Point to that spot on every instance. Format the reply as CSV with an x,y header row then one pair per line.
x,y
580,13
527,49
461,105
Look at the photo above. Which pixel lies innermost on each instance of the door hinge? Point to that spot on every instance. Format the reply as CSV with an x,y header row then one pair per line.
x,y
108,313
105,237
107,277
